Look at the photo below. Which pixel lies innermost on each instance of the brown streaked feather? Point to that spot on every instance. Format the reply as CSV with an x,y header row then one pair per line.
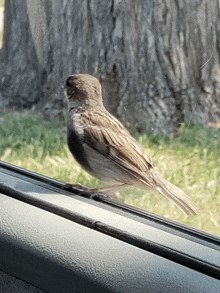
x,y
109,151
101,128
109,137
174,194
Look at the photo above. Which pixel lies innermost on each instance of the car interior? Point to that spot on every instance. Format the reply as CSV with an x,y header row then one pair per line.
x,y
54,240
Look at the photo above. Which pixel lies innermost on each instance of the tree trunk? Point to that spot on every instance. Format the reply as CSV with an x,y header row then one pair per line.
x,y
158,61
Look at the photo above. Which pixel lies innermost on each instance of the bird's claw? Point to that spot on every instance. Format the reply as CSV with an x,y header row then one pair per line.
x,y
75,186
85,191
95,194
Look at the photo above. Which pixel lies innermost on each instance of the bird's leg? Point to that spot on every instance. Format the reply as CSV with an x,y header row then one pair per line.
x,y
83,190
76,186
111,189
106,191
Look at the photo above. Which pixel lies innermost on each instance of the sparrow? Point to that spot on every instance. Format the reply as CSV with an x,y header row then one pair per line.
x,y
105,148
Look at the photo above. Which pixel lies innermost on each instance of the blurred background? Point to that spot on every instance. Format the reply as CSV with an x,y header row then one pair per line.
x,y
158,63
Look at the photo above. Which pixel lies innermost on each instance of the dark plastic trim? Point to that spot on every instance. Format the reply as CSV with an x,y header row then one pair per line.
x,y
172,226
160,250
55,239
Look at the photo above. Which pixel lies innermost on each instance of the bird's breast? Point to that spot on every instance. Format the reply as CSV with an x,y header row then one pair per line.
x,y
77,125
75,141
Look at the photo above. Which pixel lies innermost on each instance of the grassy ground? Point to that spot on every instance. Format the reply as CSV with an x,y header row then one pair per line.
x,y
191,161
2,4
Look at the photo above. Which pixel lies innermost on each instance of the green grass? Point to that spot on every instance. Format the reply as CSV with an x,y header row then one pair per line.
x,y
191,160
2,4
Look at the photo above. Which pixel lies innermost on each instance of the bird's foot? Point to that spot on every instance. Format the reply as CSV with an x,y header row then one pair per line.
x,y
102,191
85,191
94,193
77,186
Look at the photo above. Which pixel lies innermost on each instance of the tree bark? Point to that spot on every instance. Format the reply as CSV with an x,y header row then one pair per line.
x,y
158,61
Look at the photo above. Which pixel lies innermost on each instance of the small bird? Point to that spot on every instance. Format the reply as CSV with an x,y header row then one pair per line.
x,y
105,149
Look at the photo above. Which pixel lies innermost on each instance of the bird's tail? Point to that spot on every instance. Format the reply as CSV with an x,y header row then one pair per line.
x,y
178,197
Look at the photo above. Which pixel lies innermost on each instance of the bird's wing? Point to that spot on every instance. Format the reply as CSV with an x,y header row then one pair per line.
x,y
104,133
107,135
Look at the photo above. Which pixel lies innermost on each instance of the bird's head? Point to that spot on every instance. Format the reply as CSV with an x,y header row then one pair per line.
x,y
83,89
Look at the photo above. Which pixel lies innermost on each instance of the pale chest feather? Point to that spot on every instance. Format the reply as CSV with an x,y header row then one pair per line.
x,y
74,121
88,157
77,124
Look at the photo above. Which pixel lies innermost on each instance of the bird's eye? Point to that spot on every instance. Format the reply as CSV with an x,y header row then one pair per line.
x,y
68,83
